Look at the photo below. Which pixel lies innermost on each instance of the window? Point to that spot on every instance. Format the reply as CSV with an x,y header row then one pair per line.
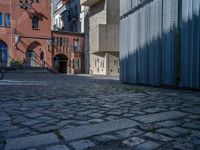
x,y
73,63
42,59
76,10
54,41
75,27
36,1
35,22
61,41
57,43
67,41
77,63
75,45
116,62
3,53
102,64
42,56
64,41
7,20
1,19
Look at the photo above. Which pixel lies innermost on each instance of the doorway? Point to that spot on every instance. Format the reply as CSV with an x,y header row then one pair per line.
x,y
60,63
30,58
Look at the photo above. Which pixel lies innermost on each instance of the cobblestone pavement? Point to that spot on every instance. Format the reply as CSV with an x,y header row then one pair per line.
x,y
59,112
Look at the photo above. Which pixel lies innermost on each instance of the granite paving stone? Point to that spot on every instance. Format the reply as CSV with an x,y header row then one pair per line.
x,y
96,120
153,110
57,147
158,137
180,130
150,118
4,118
169,123
149,127
192,125
96,129
71,108
82,145
128,133
194,110
134,141
31,122
194,140
168,132
49,128
106,138
148,146
33,115
6,128
16,133
32,141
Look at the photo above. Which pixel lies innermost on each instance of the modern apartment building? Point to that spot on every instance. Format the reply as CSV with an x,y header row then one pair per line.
x,y
159,42
103,36
67,16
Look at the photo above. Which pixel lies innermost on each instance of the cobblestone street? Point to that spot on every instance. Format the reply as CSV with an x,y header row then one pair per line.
x,y
59,112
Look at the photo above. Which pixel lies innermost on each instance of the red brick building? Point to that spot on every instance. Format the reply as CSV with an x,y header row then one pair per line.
x,y
25,35
67,51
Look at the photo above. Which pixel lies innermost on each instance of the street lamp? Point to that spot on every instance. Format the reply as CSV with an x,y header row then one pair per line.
x,y
27,4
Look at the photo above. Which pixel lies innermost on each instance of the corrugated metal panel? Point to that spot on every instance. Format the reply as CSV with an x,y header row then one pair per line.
x,y
144,45
184,44
132,56
151,48
122,58
195,44
149,43
142,57
170,22
190,50
157,41
198,48
124,49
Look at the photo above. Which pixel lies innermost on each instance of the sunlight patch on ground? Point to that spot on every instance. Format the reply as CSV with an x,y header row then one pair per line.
x,y
18,82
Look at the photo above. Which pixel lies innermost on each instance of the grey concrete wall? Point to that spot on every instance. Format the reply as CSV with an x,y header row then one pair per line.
x,y
104,36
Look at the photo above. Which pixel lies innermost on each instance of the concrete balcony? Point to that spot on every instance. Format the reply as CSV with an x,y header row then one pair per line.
x,y
104,38
89,3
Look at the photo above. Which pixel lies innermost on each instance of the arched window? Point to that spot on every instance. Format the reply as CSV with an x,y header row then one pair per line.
x,y
58,42
61,41
7,20
35,22
1,19
64,44
42,56
75,45
42,59
3,54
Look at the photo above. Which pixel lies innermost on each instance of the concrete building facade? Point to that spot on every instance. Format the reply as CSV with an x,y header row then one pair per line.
x,y
103,36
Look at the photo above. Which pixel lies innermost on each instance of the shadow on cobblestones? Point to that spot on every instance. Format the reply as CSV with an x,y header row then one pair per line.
x,y
46,105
